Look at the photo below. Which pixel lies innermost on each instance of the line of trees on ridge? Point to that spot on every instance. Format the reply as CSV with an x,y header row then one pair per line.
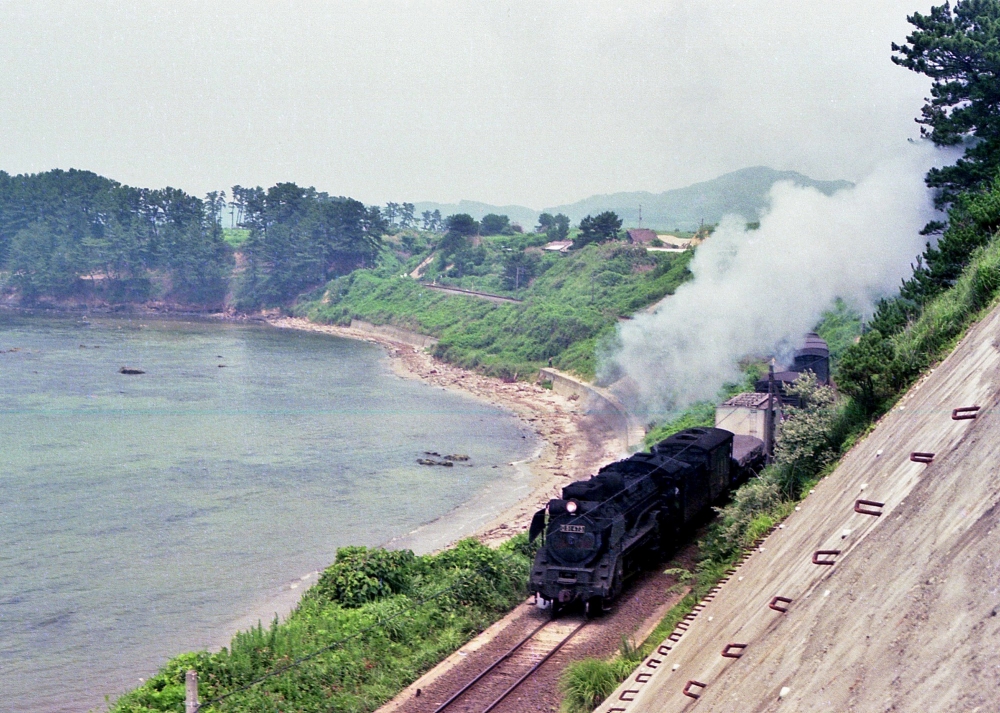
x,y
76,235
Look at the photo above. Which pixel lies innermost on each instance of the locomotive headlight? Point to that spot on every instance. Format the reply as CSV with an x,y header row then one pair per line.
x,y
571,507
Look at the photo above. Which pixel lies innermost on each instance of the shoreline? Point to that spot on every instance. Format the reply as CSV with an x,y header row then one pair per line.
x,y
572,445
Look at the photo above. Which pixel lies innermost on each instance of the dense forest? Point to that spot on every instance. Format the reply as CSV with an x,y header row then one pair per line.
x,y
300,238
66,233
74,235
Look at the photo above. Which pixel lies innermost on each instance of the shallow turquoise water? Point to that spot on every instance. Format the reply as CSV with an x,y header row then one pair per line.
x,y
141,514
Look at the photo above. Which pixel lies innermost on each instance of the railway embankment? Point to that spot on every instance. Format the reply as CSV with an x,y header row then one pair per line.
x,y
887,572
479,673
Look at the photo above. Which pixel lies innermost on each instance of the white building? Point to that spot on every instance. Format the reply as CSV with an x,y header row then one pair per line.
x,y
745,414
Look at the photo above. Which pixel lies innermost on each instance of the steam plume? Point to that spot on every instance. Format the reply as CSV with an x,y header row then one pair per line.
x,y
758,292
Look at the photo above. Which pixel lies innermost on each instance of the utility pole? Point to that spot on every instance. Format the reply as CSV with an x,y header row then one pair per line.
x,y
769,423
640,215
191,704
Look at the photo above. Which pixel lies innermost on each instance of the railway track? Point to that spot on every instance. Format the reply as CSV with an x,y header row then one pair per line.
x,y
501,678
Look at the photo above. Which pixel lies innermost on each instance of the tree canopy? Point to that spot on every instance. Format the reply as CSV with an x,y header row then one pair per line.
x,y
300,238
62,232
462,224
555,227
598,229
493,224
959,49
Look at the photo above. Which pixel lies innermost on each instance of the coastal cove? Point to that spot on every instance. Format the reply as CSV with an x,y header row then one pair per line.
x,y
142,514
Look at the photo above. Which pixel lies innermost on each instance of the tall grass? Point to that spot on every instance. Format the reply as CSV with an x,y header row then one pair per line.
x,y
373,623
587,682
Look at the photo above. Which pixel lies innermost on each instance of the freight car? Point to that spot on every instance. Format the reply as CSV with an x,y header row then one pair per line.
x,y
633,513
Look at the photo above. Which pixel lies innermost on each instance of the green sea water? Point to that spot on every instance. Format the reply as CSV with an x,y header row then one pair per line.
x,y
140,515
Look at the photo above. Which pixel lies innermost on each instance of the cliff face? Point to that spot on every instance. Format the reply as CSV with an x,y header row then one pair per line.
x,y
907,616
89,296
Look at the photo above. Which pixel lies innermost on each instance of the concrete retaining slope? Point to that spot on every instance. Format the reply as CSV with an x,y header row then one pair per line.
x,y
397,334
598,402
908,616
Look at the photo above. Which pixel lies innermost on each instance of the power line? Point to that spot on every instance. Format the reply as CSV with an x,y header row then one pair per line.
x,y
380,624
340,642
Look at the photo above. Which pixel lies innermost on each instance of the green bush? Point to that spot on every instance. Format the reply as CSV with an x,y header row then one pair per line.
x,y
804,443
589,681
359,575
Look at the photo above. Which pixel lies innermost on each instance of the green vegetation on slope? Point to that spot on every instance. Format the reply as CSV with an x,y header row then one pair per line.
x,y
955,285
953,281
373,623
574,301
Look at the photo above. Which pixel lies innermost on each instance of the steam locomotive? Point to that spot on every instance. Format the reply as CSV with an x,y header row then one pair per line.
x,y
633,513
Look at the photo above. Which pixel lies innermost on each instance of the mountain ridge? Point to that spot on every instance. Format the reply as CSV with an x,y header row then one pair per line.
x,y
743,192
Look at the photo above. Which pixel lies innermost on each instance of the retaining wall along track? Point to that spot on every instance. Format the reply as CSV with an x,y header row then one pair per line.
x,y
397,334
905,616
598,401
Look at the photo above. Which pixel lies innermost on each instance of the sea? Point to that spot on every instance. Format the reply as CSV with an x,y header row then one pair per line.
x,y
145,515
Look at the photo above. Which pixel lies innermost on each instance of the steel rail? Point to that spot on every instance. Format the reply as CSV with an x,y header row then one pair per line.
x,y
492,666
534,668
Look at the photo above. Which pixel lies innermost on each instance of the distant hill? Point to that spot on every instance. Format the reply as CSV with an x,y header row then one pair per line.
x,y
526,217
743,192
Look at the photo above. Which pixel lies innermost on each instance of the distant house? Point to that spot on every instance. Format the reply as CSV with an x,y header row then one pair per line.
x,y
745,414
672,241
641,236
558,246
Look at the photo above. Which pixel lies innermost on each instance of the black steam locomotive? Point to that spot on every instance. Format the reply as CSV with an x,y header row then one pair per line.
x,y
633,513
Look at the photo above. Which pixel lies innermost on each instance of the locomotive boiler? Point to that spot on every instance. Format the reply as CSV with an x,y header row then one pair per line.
x,y
633,513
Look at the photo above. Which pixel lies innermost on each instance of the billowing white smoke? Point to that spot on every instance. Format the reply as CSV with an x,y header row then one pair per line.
x,y
757,292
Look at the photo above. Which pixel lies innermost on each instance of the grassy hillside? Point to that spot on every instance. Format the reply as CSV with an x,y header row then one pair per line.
x,y
572,302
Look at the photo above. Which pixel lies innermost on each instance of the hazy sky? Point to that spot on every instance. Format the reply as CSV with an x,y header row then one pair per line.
x,y
536,103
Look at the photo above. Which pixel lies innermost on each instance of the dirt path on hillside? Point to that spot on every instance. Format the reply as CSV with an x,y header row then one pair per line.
x,y
906,617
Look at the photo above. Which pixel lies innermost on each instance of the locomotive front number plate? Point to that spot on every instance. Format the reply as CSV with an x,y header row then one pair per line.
x,y
572,528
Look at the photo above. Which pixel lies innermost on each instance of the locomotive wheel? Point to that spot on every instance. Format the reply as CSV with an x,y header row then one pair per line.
x,y
594,607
